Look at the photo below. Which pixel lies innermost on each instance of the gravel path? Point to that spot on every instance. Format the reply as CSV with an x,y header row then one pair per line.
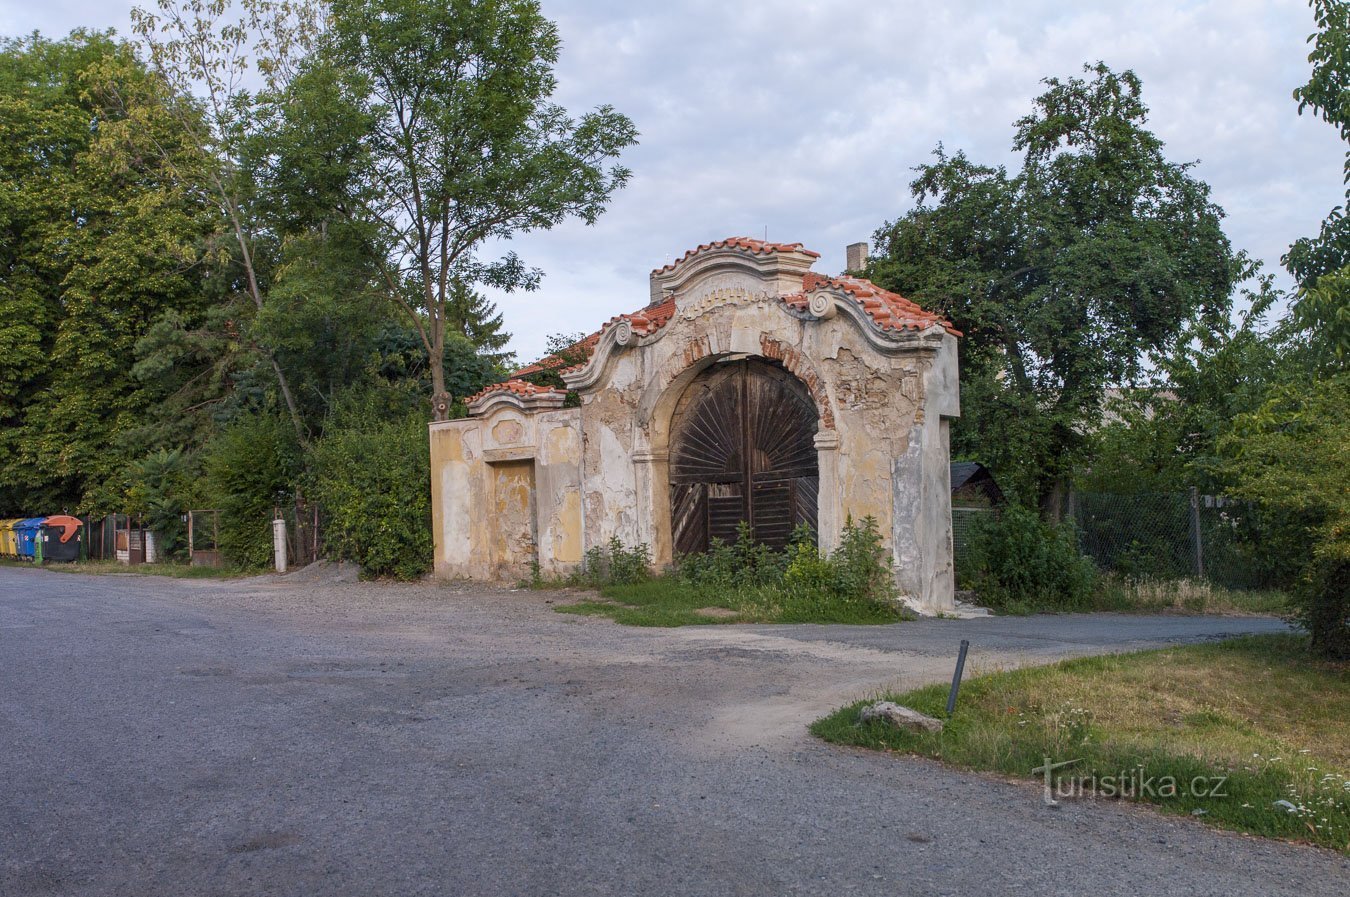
x,y
177,737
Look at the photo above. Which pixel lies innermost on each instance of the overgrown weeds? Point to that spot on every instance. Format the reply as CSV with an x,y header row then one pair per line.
x,y
745,581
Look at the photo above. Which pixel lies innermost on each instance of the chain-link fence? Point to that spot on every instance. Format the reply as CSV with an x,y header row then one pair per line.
x,y
1172,536
1163,536
964,521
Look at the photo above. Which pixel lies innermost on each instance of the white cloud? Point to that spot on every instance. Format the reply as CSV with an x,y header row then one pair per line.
x,y
806,116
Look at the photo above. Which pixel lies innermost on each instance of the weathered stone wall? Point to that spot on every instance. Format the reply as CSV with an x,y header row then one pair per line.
x,y
506,493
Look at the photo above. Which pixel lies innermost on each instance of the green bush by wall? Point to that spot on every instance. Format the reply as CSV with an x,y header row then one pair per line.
x,y
1022,562
249,470
371,479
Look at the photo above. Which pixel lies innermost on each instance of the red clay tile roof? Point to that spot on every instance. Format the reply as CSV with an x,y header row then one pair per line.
x,y
747,243
518,387
644,321
890,311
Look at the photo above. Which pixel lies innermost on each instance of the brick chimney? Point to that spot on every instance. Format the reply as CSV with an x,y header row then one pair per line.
x,y
855,255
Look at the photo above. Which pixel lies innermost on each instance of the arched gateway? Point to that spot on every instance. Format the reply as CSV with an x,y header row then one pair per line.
x,y
742,449
748,388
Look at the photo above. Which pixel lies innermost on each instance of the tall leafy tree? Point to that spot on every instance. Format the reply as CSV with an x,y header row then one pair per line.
x,y
465,147
1288,452
208,49
105,240
1063,275
43,127
1321,264
1290,455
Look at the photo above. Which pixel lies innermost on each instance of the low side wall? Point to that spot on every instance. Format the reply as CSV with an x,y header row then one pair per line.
x,y
506,495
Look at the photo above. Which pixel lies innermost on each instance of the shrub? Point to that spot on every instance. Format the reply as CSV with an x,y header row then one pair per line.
x,y
371,480
862,564
744,563
1322,606
859,570
160,491
250,468
1024,563
612,564
1289,457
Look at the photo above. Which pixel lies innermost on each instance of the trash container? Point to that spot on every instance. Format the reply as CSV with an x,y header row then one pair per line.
x,y
60,538
9,546
26,535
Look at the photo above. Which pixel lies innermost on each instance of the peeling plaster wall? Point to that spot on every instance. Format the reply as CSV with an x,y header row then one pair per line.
x,y
458,499
506,491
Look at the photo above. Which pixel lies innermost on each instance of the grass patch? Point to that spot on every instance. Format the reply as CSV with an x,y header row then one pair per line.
x,y
1181,596
670,601
1187,596
1259,711
107,568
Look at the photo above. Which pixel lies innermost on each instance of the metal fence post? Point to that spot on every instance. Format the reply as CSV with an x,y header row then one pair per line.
x,y
1196,540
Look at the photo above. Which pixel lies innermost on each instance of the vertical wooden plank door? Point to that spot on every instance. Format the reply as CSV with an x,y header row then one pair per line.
x,y
742,449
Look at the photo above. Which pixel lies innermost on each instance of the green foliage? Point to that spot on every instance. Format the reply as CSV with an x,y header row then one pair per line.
x,y
563,350
371,474
96,240
744,563
862,564
1163,436
1290,456
858,570
1321,264
249,470
613,564
854,584
162,485
468,85
1063,276
1024,563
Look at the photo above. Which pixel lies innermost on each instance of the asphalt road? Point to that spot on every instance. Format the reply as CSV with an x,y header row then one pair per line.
x,y
163,737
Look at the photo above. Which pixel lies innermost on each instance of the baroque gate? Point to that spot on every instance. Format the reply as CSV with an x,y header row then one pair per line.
x,y
747,388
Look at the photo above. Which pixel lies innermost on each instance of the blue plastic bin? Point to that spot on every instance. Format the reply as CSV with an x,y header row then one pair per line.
x,y
26,533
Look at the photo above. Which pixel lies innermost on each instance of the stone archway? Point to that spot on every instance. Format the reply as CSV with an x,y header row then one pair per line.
x,y
742,448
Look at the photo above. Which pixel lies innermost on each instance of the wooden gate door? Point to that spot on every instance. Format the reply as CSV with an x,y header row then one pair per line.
x,y
742,448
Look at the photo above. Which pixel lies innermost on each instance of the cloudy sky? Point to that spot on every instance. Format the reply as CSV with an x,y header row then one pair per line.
x,y
805,117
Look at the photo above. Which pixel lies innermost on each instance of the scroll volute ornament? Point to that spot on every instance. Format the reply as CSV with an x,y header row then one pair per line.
x,y
821,305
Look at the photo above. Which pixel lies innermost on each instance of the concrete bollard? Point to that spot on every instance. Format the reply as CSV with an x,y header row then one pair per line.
x,y
279,543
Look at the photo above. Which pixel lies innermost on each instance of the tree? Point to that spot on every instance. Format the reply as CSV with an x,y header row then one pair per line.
x,y
42,128
1291,454
101,240
1063,276
205,47
1321,264
465,148
476,318
1163,436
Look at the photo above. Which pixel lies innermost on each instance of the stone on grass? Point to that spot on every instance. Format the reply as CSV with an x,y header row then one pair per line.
x,y
900,717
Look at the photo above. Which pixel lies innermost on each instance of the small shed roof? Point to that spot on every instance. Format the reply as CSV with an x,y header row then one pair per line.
x,y
972,477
